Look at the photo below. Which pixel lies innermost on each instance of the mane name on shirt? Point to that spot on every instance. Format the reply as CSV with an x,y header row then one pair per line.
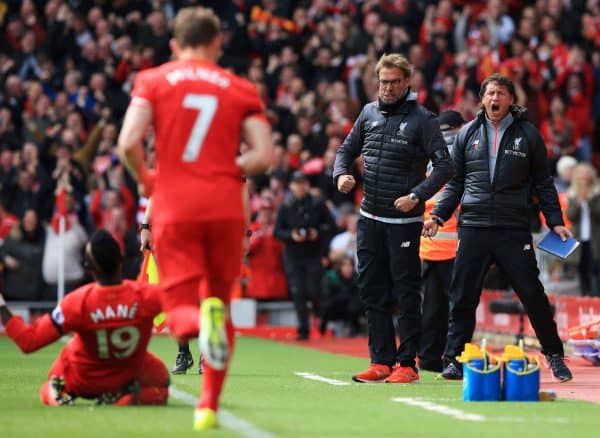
x,y
122,311
197,74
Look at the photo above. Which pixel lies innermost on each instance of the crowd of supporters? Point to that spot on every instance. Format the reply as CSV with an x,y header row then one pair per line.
x,y
67,66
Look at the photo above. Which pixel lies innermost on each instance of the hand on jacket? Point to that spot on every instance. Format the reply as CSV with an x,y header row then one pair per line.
x,y
405,204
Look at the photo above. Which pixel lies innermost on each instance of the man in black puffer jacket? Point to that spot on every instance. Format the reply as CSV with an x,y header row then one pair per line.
x,y
499,157
397,138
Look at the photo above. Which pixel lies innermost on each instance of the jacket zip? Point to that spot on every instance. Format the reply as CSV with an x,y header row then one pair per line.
x,y
497,167
498,155
381,143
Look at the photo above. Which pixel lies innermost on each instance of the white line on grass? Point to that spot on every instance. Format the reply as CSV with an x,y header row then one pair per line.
x,y
440,409
226,418
318,378
506,419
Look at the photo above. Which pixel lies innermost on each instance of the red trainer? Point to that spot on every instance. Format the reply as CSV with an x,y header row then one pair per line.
x,y
402,374
376,373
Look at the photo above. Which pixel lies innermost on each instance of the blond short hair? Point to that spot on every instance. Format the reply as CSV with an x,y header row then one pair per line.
x,y
393,60
195,26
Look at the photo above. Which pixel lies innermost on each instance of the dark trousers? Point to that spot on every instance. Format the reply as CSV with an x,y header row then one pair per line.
x,y
347,309
389,276
304,282
512,251
588,271
437,276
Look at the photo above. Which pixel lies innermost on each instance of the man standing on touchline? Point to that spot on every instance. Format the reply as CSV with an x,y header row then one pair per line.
x,y
499,157
397,138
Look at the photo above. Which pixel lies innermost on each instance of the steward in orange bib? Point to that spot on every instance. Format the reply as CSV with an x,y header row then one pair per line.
x,y
437,255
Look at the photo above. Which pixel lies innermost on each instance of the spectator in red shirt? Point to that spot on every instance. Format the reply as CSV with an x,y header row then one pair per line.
x,y
265,256
558,133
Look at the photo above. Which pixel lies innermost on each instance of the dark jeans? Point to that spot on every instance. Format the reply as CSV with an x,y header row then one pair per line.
x,y
512,251
437,276
389,275
304,282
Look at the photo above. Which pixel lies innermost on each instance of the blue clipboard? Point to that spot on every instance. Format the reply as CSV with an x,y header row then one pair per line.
x,y
552,244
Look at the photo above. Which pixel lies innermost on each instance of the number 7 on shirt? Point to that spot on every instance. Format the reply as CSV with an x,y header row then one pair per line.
x,y
206,106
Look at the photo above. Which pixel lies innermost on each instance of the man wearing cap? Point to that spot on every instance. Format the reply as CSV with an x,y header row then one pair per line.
x,y
397,138
437,254
305,225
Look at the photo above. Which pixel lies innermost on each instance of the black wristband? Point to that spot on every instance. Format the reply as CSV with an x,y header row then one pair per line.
x,y
438,221
145,227
248,232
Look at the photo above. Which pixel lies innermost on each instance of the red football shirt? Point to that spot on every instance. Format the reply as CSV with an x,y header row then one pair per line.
x,y
112,326
198,109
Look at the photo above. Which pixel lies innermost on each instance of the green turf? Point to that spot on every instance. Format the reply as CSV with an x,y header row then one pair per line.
x,y
263,390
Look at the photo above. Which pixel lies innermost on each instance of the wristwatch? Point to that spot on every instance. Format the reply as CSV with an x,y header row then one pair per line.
x,y
437,220
413,197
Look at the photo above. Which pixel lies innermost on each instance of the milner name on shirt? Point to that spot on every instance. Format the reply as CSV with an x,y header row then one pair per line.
x,y
197,74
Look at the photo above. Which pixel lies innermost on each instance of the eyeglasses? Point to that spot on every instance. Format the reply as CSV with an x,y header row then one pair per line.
x,y
393,82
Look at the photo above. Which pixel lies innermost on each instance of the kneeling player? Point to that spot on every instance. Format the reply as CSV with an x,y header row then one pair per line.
x,y
112,323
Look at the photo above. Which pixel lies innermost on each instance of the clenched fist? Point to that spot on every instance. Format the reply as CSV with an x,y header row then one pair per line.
x,y
346,183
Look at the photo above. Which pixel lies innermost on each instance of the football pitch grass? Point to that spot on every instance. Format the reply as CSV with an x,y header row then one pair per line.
x,y
272,391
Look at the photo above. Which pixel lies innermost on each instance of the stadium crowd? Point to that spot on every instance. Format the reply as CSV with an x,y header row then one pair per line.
x,y
67,67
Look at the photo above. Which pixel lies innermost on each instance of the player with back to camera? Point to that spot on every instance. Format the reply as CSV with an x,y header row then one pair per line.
x,y
200,114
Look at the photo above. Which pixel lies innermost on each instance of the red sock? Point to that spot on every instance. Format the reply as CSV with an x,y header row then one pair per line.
x,y
150,395
183,322
154,395
212,381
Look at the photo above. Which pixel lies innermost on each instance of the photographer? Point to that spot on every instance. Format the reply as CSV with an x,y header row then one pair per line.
x,y
305,225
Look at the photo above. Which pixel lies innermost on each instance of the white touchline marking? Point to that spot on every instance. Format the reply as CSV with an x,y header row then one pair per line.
x,y
226,418
558,420
440,409
311,376
446,410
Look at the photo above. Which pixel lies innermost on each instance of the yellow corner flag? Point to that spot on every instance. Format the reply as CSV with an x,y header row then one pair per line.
x,y
149,274
151,269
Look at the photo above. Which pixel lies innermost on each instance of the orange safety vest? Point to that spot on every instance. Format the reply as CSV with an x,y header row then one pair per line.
x,y
563,200
443,246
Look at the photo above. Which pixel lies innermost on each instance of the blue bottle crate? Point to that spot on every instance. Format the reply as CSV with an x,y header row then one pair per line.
x,y
521,381
481,384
